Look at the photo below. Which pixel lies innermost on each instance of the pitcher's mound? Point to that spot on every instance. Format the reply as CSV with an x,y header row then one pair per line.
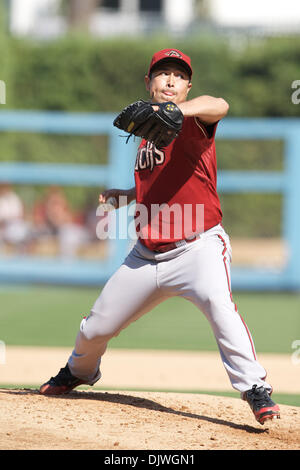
x,y
138,421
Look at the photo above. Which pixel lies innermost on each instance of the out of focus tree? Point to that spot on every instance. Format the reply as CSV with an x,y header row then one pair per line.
x,y
6,58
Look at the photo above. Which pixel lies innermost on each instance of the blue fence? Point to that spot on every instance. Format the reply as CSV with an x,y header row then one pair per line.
x,y
119,173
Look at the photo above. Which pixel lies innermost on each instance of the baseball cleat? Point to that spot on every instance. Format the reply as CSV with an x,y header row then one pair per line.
x,y
62,383
261,404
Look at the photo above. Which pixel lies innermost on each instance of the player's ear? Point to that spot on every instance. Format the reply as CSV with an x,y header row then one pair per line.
x,y
189,86
147,82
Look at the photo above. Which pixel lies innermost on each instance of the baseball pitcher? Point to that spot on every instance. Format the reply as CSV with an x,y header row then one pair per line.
x,y
182,248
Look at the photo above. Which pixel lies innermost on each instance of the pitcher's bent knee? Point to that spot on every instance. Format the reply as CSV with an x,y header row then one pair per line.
x,y
98,328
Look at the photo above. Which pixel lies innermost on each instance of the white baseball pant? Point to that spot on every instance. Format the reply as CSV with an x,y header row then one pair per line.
x,y
199,272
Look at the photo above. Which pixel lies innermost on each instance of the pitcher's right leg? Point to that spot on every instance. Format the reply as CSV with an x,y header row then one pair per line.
x,y
129,293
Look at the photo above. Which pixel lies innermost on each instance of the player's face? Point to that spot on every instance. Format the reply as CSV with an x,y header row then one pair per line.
x,y
168,82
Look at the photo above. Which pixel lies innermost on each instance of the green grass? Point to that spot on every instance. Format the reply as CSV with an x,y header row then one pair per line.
x,y
50,316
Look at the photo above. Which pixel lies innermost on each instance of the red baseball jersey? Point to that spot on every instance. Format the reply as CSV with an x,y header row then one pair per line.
x,y
176,187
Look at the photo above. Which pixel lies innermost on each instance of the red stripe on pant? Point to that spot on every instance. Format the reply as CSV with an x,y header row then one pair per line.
x,y
230,293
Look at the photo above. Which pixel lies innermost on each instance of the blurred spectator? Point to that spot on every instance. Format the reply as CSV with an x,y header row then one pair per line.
x,y
54,217
14,230
91,219
53,225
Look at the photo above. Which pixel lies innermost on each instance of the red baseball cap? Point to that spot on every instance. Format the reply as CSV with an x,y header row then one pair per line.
x,y
171,54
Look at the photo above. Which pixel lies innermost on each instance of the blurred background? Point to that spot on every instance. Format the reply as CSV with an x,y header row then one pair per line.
x,y
90,57
65,59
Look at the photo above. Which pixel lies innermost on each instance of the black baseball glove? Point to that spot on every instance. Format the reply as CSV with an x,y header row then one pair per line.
x,y
159,127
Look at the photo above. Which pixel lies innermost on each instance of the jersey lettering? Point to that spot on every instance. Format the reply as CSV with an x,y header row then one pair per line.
x,y
148,157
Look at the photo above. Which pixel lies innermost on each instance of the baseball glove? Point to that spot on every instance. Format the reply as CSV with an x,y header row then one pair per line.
x,y
159,127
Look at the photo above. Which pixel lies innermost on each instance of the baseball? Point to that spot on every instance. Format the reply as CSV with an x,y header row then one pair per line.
x,y
110,204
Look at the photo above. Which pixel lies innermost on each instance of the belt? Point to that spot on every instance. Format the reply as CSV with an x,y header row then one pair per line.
x,y
173,245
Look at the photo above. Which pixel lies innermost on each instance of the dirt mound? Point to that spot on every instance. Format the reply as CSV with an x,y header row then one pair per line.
x,y
139,420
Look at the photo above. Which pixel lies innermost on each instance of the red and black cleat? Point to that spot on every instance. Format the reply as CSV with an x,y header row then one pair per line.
x,y
261,404
62,383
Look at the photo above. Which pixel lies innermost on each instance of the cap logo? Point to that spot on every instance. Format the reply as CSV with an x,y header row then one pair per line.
x,y
173,53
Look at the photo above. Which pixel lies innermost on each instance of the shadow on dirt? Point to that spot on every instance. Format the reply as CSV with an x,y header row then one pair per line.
x,y
137,402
